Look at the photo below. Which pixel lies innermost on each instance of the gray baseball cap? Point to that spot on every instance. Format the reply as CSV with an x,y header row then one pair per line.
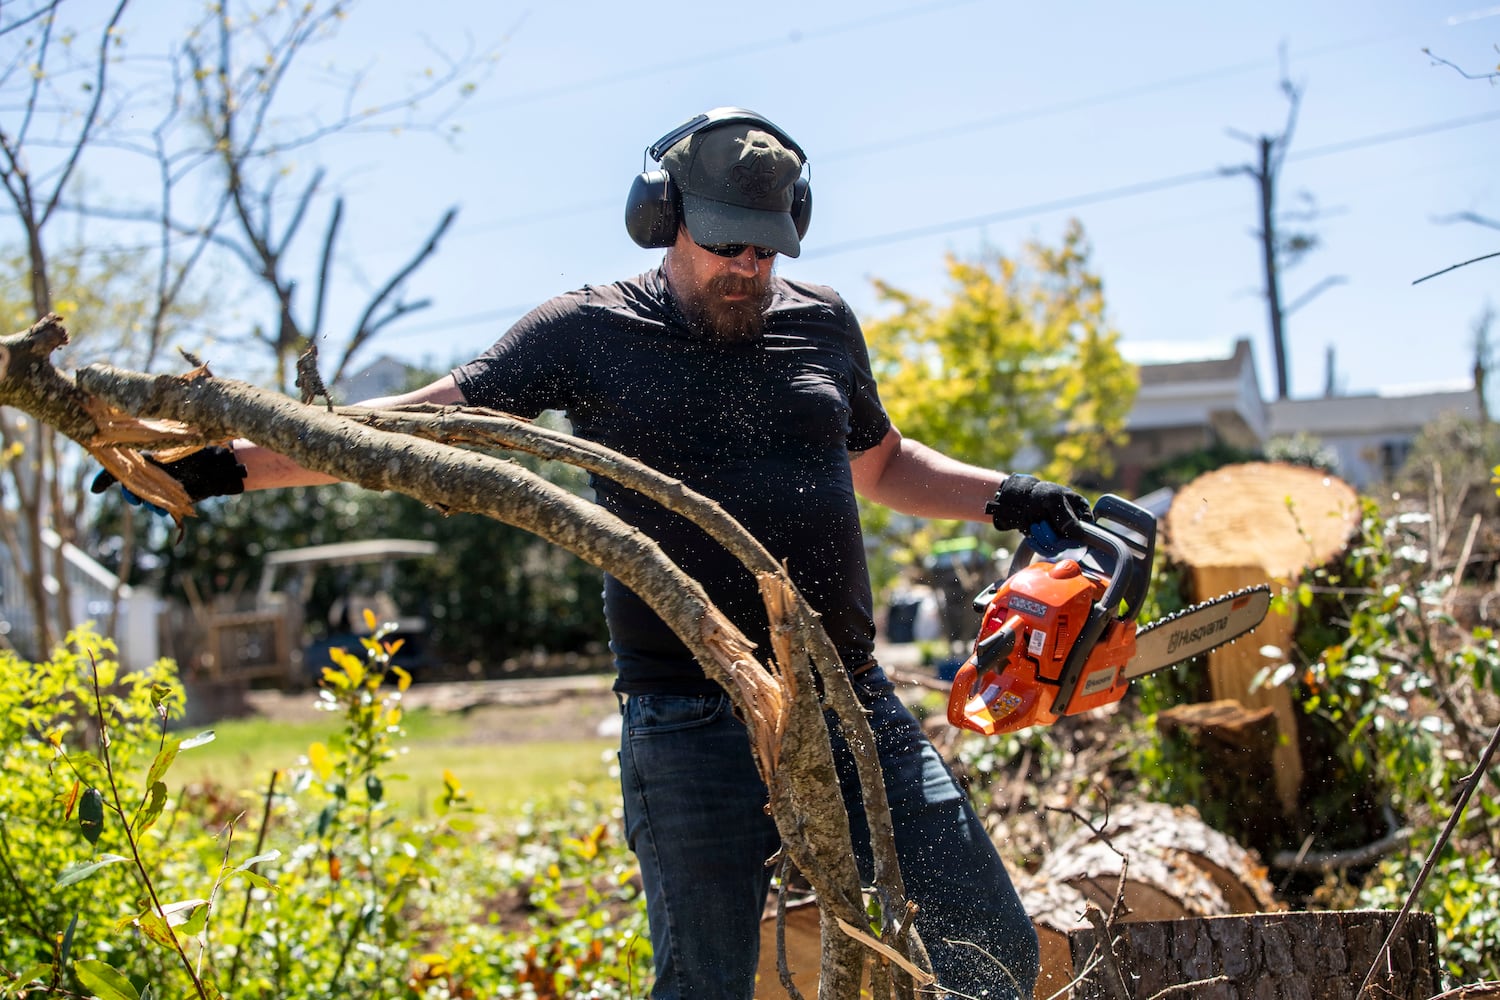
x,y
736,182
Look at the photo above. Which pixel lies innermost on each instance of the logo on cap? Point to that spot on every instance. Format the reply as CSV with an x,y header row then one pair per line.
x,y
755,180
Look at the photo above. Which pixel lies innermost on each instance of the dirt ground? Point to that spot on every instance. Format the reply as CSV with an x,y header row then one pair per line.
x,y
522,710
515,711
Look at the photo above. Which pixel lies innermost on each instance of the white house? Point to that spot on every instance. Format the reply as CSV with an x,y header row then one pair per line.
x,y
1194,396
385,376
1371,434
1190,398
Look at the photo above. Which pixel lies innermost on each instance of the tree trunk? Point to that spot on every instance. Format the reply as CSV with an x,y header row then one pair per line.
x,y
1268,956
1259,522
1238,746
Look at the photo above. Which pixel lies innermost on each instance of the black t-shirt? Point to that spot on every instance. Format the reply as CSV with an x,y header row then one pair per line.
x,y
765,428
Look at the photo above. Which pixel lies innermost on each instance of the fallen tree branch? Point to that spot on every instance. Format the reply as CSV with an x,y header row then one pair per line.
x,y
113,413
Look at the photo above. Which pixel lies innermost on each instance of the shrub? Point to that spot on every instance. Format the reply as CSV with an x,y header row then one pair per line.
x,y
113,886
1413,694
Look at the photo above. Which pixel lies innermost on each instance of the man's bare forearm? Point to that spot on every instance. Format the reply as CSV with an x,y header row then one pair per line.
x,y
268,470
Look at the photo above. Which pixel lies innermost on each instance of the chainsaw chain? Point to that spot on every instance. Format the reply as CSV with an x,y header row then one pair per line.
x,y
1194,609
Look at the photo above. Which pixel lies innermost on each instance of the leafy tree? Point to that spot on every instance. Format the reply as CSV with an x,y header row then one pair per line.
x,y
214,116
1017,369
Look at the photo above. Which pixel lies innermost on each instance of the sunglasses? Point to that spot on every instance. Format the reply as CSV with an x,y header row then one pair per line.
x,y
735,249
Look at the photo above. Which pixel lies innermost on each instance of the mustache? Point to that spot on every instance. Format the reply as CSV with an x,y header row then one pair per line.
x,y
734,284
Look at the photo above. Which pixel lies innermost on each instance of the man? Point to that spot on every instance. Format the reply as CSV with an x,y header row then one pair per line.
x,y
757,392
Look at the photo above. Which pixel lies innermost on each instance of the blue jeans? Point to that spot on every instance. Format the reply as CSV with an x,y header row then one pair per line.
x,y
695,817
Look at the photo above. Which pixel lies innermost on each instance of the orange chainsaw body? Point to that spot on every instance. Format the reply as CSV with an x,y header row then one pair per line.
x,y
1031,630
1056,634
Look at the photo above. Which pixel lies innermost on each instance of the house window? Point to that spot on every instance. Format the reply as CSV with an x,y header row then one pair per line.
x,y
1393,456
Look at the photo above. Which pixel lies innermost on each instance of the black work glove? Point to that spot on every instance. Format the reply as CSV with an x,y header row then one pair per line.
x,y
1025,501
207,472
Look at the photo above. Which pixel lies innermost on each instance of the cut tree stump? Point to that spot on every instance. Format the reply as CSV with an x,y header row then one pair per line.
x,y
1178,867
1238,746
1269,956
1259,522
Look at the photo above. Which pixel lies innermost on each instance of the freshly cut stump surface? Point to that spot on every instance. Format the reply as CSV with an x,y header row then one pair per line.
x,y
1281,518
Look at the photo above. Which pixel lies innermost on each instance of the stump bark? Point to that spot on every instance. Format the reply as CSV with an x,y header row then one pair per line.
x,y
1269,956
1178,867
1259,522
1238,746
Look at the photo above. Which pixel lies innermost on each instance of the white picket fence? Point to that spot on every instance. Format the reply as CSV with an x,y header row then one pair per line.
x,y
92,590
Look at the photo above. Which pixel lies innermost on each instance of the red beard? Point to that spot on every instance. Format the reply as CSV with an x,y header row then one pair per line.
x,y
730,320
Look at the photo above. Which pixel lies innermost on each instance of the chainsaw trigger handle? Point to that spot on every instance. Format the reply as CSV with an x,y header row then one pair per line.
x,y
997,646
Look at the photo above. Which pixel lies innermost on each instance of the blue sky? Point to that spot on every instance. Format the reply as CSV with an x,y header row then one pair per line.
x,y
960,126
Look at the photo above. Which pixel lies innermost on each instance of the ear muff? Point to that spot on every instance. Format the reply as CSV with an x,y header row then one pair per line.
x,y
653,209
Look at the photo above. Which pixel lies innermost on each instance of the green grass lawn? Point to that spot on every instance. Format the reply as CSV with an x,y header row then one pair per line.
x,y
499,777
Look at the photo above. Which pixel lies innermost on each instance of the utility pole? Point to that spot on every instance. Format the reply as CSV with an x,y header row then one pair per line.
x,y
1272,154
1482,351
1277,250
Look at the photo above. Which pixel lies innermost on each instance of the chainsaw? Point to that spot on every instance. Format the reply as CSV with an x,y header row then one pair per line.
x,y
1058,635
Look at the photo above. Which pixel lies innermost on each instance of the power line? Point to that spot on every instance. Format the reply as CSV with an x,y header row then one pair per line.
x,y
888,143
1130,190
1006,215
1090,101
794,37
1381,138
1024,211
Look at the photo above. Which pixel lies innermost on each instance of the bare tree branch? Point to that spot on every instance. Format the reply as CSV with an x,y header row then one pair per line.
x,y
91,116
325,265
1329,282
1474,217
46,10
1440,61
1455,267
369,323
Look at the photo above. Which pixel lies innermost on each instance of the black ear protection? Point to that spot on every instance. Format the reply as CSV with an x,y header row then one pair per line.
x,y
653,212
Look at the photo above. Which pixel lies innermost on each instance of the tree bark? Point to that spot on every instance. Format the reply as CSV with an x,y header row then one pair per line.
x,y
1238,747
1297,956
113,413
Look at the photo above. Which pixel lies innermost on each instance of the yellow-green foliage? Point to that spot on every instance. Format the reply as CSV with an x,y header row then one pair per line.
x,y
52,778
108,298
1019,363
1021,356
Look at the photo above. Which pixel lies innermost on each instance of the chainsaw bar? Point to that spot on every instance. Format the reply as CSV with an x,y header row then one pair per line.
x,y
1198,629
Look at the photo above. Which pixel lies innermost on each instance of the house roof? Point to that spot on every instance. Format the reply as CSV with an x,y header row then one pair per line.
x,y
1166,369
1367,414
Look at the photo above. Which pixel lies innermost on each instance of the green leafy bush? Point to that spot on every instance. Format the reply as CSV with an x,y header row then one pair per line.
x,y
1383,660
1398,701
113,885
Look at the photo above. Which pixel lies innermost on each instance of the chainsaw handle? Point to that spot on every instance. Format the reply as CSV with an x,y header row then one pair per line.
x,y
1042,540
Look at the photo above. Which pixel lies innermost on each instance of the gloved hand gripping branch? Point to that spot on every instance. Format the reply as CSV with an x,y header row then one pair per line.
x,y
1024,501
207,472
